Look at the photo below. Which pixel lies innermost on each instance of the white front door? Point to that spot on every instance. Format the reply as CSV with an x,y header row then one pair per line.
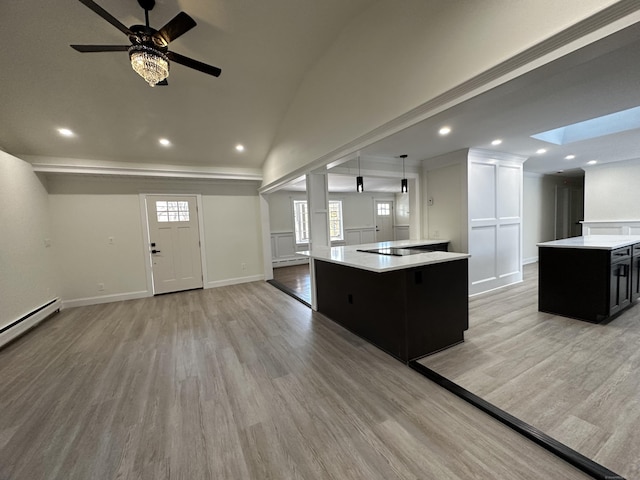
x,y
174,236
384,221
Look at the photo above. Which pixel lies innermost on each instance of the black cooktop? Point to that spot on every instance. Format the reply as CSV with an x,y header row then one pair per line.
x,y
396,252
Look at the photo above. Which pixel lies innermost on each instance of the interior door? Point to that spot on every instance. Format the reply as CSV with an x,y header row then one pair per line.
x,y
174,236
384,221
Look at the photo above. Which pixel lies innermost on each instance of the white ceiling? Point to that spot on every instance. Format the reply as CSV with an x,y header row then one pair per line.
x,y
264,50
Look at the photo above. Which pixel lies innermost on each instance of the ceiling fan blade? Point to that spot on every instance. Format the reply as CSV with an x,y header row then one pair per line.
x,y
106,15
100,48
162,83
177,26
195,64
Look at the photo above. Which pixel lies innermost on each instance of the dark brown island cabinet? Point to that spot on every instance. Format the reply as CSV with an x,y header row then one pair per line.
x,y
591,278
409,301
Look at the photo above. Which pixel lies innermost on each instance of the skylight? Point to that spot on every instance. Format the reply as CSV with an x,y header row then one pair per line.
x,y
594,128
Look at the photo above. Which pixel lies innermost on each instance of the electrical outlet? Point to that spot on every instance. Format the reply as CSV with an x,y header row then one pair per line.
x,y
436,234
243,266
101,287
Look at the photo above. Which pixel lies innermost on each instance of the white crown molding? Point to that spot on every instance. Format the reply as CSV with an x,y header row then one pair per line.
x,y
143,172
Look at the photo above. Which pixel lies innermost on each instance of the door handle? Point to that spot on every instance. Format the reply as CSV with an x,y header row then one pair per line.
x,y
155,251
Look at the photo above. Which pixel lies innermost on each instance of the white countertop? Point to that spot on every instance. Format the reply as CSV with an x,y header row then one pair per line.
x,y
349,256
602,242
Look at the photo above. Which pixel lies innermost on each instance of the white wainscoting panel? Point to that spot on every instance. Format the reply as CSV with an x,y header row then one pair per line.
x,y
611,227
401,232
283,250
509,261
482,191
482,247
510,184
358,236
495,219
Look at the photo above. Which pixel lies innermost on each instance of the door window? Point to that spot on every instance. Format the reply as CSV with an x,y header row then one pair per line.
x,y
168,211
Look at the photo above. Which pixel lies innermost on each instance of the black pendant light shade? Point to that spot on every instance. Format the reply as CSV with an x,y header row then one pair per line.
x,y
359,179
404,184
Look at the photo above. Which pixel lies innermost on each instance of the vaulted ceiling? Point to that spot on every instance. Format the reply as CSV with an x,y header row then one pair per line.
x,y
264,50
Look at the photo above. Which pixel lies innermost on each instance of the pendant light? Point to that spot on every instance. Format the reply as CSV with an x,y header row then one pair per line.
x,y
404,184
359,179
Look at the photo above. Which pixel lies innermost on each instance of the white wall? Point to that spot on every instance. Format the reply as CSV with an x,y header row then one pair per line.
x,y
233,238
445,178
86,211
358,221
611,191
390,60
539,210
538,213
28,278
357,208
82,225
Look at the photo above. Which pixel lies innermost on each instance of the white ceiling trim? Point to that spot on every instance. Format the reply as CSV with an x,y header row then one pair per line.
x,y
144,172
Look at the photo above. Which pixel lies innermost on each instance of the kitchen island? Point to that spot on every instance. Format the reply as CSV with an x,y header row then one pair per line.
x,y
403,296
592,278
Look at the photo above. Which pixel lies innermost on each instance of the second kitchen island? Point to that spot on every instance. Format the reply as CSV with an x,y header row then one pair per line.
x,y
591,278
408,301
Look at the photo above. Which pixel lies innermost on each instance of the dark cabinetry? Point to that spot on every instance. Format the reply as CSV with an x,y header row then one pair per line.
x,y
586,283
635,272
408,313
620,280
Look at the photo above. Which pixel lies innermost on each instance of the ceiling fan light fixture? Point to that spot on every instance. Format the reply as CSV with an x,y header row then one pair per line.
x,y
149,63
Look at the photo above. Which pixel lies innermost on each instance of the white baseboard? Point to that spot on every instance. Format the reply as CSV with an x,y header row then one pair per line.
x,y
234,281
30,321
289,262
527,261
116,297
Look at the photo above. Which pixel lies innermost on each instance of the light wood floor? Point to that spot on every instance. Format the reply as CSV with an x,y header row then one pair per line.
x,y
240,382
576,381
296,278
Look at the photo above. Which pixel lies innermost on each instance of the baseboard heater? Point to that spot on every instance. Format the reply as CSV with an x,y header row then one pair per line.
x,y
28,321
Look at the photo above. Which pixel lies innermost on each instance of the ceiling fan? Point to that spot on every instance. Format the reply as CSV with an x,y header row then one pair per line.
x,y
149,52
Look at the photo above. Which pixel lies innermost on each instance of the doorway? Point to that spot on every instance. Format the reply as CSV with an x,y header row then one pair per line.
x,y
174,243
569,209
384,221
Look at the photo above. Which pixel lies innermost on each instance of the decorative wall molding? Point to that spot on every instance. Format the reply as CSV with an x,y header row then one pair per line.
x,y
611,227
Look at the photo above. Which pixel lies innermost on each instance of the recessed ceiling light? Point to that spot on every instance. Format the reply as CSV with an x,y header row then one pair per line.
x,y
540,151
240,147
444,130
592,162
569,157
497,141
65,132
164,142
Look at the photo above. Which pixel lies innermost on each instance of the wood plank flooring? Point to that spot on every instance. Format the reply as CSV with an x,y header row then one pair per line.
x,y
296,278
239,382
576,381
